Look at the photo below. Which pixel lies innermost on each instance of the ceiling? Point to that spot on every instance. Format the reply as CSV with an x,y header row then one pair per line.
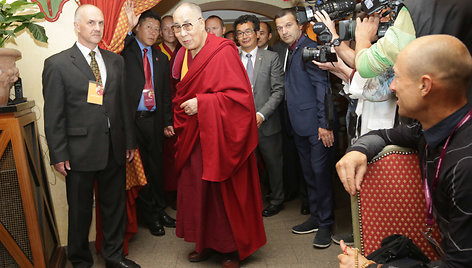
x,y
229,16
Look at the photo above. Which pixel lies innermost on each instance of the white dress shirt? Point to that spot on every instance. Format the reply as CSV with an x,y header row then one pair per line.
x,y
98,57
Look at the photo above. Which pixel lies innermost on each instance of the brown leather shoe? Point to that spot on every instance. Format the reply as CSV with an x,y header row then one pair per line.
x,y
197,257
230,260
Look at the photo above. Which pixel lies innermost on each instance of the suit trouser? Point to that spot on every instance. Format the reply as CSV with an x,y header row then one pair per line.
x,y
151,197
111,188
270,148
294,182
317,164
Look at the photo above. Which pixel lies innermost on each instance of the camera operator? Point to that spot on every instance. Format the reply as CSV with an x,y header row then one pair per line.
x,y
372,105
376,103
416,18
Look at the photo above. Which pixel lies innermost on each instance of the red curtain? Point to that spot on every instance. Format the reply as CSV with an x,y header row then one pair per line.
x,y
111,11
116,21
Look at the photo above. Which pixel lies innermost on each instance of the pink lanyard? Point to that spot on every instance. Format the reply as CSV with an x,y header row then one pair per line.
x,y
427,192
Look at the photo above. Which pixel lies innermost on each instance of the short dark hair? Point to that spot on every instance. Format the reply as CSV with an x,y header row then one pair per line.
x,y
149,14
218,18
167,16
247,18
286,11
269,28
228,32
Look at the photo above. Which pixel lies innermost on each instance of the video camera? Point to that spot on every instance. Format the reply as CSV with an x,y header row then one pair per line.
x,y
322,53
338,9
347,28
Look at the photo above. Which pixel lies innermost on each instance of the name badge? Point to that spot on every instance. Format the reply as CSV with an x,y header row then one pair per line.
x,y
149,97
95,93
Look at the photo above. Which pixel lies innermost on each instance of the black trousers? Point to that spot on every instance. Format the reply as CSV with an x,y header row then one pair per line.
x,y
151,198
111,183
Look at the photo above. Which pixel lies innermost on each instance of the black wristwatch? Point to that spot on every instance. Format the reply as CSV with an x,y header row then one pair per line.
x,y
336,42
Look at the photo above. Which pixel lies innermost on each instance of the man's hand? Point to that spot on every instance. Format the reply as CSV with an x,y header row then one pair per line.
x,y
62,167
132,18
169,131
326,136
324,18
351,170
130,154
259,120
340,69
366,31
190,106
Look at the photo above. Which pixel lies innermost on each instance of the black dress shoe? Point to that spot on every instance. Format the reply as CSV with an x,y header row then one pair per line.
x,y
166,220
156,228
272,210
124,263
305,209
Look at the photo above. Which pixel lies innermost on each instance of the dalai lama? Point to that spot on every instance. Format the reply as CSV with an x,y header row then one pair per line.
x,y
219,202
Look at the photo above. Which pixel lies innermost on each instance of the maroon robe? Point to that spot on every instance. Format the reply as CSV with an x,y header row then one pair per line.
x,y
221,138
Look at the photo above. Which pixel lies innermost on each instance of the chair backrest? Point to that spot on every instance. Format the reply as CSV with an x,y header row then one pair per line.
x,y
391,202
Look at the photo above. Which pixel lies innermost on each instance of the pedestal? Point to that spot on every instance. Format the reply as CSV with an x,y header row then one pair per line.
x,y
28,230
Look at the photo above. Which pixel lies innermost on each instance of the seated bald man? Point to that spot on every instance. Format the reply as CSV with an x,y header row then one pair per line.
x,y
219,203
432,75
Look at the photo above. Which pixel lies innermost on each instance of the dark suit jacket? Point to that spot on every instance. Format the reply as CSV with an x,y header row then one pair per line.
x,y
281,49
268,90
135,81
306,86
79,131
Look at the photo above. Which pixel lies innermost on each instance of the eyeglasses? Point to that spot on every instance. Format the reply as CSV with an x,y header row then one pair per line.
x,y
187,27
248,32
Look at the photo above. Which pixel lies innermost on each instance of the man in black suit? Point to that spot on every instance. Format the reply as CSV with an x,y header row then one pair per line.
x,y
148,92
265,34
89,134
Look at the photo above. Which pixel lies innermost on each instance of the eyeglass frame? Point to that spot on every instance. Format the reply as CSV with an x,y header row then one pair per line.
x,y
183,25
247,32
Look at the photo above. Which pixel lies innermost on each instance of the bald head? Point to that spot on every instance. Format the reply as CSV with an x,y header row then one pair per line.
x,y
444,57
194,9
189,27
89,24
85,9
432,76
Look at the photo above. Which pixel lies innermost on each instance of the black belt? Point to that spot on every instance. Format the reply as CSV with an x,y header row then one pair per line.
x,y
141,114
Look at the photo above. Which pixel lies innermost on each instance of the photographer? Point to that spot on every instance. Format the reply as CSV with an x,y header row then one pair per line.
x,y
376,103
416,18
372,105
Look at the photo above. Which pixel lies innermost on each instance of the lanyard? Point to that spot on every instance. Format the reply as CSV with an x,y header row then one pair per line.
x,y
427,192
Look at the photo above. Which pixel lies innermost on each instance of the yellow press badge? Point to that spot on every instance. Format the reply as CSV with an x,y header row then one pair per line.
x,y
95,93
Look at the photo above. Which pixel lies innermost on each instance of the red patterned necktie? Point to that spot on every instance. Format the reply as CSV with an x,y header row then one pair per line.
x,y
148,91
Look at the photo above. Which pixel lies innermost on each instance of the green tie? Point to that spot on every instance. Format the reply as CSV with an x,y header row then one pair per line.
x,y
94,66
